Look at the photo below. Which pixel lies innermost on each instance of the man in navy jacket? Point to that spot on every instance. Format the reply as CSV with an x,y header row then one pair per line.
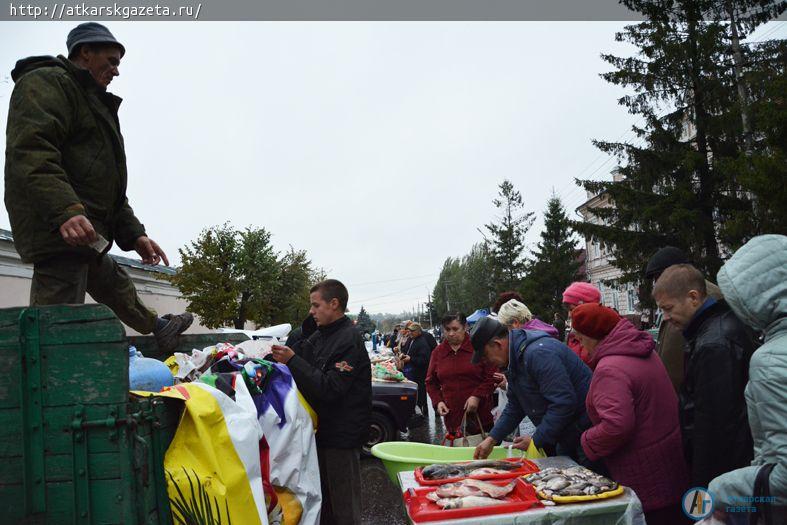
x,y
547,382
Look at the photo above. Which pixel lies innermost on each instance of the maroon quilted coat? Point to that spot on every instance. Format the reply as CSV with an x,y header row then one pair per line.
x,y
634,411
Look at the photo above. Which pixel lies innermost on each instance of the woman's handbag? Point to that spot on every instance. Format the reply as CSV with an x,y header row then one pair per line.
x,y
467,441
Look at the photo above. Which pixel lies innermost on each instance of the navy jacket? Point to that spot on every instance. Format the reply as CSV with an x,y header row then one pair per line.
x,y
548,383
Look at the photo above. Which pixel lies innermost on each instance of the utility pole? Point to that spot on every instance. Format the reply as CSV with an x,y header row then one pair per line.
x,y
447,301
431,322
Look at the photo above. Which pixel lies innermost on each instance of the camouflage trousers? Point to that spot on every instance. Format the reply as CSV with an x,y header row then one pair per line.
x,y
64,279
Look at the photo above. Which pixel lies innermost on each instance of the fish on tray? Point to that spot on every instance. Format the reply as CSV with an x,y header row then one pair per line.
x,y
490,489
471,487
455,490
486,471
572,481
456,470
467,502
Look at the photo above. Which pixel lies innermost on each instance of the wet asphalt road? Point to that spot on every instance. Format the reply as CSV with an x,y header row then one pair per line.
x,y
382,499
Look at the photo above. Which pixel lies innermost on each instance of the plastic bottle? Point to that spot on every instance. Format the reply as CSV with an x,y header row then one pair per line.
x,y
150,375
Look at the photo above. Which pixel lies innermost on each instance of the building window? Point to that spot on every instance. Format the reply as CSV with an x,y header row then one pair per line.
x,y
632,299
615,299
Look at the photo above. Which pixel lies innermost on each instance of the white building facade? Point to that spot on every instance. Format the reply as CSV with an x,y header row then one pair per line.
x,y
600,264
155,291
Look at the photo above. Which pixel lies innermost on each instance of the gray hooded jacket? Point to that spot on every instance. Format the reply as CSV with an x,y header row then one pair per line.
x,y
754,283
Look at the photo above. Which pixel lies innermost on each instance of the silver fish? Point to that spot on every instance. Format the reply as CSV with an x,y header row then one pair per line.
x,y
457,490
490,489
557,483
468,502
486,471
456,470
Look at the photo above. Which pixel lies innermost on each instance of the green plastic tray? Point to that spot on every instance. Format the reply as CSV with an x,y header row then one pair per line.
x,y
401,456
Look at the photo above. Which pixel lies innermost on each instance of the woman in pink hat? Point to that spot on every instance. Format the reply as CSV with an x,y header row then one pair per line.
x,y
576,294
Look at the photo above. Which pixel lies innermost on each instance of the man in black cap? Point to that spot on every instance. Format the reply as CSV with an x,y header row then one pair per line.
x,y
670,343
547,382
65,183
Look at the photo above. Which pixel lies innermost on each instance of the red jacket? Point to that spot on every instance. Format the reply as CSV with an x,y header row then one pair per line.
x,y
452,378
634,411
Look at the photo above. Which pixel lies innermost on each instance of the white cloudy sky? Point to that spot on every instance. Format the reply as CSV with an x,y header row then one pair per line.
x,y
376,147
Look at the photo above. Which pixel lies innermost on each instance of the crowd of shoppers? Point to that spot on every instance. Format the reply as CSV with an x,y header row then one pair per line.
x,y
702,405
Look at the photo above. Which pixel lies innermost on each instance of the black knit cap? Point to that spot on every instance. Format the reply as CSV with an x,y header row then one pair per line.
x,y
483,331
91,33
663,259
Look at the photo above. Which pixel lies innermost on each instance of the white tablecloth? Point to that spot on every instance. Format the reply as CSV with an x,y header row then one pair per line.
x,y
625,509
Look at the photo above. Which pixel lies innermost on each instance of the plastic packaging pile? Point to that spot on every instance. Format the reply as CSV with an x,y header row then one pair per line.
x,y
386,370
262,451
189,367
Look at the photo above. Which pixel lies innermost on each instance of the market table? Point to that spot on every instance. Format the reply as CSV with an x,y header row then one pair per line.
x,y
625,509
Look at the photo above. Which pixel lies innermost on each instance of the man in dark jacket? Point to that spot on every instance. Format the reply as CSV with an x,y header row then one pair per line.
x,y
65,183
334,375
546,382
416,363
431,340
670,342
713,416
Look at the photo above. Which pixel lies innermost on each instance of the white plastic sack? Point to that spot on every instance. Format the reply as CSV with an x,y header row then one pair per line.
x,y
289,431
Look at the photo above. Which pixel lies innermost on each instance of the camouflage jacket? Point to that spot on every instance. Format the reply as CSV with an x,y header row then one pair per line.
x,y
64,157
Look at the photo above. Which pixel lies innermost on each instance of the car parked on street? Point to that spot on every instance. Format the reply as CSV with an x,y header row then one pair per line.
x,y
393,404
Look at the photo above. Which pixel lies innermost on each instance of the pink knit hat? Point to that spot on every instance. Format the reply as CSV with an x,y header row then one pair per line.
x,y
579,293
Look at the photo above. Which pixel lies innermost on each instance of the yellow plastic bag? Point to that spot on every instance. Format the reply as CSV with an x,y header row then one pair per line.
x,y
534,452
213,463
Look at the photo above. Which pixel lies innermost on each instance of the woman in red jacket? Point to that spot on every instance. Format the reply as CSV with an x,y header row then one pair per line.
x,y
634,411
455,385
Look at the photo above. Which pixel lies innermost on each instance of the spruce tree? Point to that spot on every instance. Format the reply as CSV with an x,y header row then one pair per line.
x,y
508,238
682,183
364,322
555,263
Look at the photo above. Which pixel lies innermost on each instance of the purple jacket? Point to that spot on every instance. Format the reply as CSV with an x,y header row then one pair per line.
x,y
535,324
634,411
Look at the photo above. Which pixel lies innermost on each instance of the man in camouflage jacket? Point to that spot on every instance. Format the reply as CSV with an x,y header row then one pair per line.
x,y
65,182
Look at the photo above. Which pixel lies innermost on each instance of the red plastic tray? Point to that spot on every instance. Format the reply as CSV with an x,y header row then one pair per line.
x,y
420,509
528,467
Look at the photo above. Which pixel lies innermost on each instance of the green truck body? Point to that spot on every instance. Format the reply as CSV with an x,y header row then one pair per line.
x,y
75,447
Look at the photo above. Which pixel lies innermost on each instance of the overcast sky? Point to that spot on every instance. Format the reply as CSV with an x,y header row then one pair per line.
x,y
376,147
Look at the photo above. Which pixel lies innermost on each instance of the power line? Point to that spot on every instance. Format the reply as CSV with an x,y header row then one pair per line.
x,y
394,301
394,280
388,295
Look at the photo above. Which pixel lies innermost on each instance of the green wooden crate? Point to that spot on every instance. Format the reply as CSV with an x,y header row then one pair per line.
x,y
74,446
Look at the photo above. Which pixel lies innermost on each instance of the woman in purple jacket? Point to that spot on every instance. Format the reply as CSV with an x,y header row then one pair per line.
x,y
514,314
634,411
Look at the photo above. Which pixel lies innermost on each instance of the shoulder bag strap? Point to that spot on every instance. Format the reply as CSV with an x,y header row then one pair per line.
x,y
762,489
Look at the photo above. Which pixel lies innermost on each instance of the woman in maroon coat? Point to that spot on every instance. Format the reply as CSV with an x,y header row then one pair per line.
x,y
454,384
634,411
